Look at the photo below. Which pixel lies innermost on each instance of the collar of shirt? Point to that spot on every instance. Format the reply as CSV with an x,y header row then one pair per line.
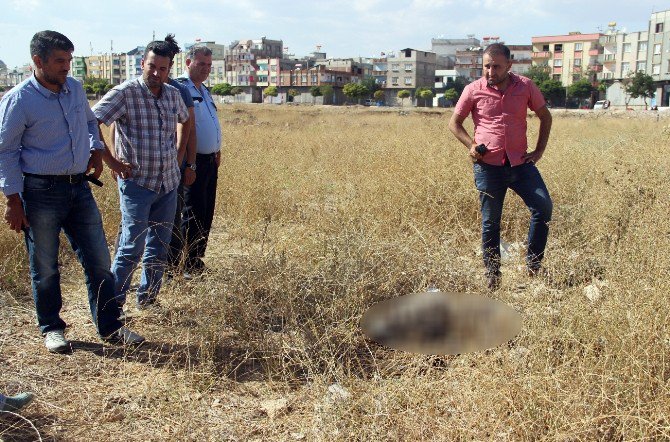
x,y
146,89
191,85
46,93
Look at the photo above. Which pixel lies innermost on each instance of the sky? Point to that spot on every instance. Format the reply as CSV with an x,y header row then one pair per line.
x,y
343,28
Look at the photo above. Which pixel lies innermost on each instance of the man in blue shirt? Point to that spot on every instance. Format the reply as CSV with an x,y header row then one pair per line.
x,y
200,197
49,140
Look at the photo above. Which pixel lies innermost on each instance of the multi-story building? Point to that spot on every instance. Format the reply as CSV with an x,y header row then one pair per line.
x,y
134,62
623,53
569,57
411,69
3,73
658,55
18,74
111,67
241,64
446,49
78,68
521,56
468,63
444,79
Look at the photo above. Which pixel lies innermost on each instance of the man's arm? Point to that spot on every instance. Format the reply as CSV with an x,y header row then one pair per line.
x,y
191,150
456,128
119,168
12,126
543,136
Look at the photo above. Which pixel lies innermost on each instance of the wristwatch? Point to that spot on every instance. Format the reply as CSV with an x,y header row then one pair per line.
x,y
191,166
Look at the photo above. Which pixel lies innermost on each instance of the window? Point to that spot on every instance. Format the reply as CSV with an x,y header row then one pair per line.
x,y
578,46
408,67
395,67
578,62
656,69
642,46
394,80
545,48
558,63
576,77
659,27
626,47
556,77
641,66
558,47
657,49
408,80
625,69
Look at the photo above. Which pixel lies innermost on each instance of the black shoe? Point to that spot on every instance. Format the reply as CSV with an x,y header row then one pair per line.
x,y
493,280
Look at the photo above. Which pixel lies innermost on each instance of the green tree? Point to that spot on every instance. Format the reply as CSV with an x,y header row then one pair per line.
x,y
293,93
639,85
235,91
355,90
451,95
327,91
402,94
97,86
223,89
371,84
553,91
539,74
424,93
271,91
580,89
379,95
315,91
459,84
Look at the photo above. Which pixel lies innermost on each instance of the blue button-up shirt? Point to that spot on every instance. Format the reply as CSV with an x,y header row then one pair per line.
x,y
207,127
44,132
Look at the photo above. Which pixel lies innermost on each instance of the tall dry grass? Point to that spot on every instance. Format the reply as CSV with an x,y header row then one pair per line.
x,y
324,211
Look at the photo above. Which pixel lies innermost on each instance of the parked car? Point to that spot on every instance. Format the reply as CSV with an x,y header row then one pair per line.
x,y
369,102
601,104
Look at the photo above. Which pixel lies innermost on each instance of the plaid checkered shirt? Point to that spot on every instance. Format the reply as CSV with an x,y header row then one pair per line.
x,y
146,128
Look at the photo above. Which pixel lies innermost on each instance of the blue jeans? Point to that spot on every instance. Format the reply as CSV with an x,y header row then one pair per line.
x,y
525,180
146,227
52,206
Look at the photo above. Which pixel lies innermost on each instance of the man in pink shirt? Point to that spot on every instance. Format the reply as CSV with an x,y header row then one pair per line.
x,y
498,103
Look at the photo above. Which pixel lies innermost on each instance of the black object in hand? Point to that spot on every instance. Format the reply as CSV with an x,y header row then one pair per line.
x,y
94,180
481,149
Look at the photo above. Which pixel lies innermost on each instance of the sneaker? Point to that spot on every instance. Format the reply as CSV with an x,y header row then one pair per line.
x,y
493,281
124,336
17,403
55,341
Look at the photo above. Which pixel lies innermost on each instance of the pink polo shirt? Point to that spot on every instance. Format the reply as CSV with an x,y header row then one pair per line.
x,y
500,118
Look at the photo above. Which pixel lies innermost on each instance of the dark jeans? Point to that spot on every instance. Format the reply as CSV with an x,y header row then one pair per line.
x,y
50,206
492,183
177,240
198,213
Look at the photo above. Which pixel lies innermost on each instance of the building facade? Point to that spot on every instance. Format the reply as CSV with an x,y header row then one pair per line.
x,y
569,57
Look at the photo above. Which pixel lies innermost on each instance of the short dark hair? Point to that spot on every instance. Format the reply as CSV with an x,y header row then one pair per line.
x,y
198,49
160,47
44,42
173,44
497,49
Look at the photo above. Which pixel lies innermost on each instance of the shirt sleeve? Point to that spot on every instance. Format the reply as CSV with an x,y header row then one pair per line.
x,y
465,102
536,99
91,123
12,125
111,107
182,111
186,96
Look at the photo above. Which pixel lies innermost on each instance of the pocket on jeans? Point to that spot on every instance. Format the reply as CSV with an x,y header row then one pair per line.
x,y
36,184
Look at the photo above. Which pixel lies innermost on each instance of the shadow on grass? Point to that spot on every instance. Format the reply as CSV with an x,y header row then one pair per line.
x,y
19,428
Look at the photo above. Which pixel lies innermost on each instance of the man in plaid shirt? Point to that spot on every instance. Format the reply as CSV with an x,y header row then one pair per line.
x,y
146,111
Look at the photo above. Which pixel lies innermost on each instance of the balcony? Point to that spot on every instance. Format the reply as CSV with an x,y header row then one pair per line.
x,y
542,54
596,51
606,58
608,40
596,67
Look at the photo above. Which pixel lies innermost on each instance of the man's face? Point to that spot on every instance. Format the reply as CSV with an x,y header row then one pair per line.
x,y
55,68
496,68
155,70
199,68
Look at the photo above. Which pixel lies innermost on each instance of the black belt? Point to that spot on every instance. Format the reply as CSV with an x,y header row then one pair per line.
x,y
206,155
72,179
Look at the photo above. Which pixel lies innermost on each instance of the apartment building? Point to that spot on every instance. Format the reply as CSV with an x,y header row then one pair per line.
x,y
622,53
658,55
3,73
570,57
241,63
446,49
18,74
521,56
111,67
468,63
411,69
78,68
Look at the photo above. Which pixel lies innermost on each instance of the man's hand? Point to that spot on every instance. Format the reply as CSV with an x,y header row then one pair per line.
x,y
532,157
95,164
120,169
189,176
474,155
14,214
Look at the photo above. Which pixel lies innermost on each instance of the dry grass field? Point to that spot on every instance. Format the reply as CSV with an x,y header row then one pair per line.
x,y
323,212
